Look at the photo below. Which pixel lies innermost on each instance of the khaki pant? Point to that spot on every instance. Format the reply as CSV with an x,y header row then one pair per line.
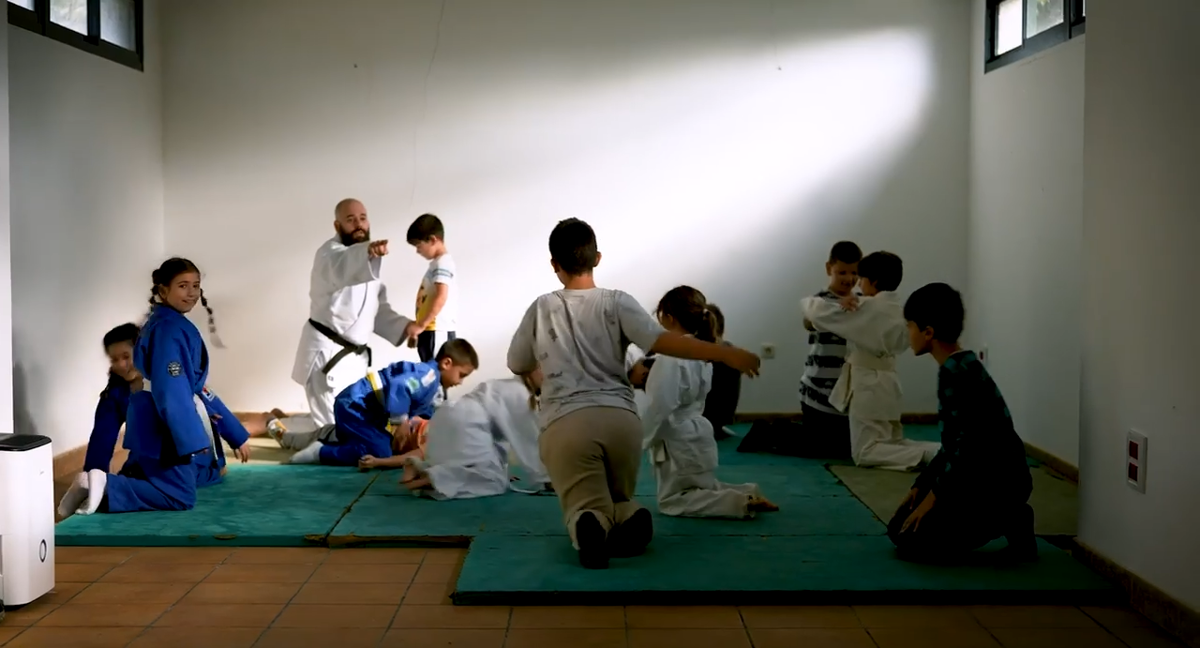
x,y
593,456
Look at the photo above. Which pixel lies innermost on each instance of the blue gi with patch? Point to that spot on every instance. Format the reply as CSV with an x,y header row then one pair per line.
x,y
106,427
365,411
170,452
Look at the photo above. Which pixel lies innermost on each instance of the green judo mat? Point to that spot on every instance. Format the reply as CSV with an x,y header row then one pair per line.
x,y
824,545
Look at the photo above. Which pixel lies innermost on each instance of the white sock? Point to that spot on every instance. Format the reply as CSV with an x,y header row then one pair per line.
x,y
309,455
76,495
97,480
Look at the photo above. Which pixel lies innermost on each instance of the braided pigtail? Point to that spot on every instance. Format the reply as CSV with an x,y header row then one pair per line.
x,y
212,323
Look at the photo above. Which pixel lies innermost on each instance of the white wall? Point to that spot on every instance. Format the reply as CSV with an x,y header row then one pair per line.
x,y
6,386
700,139
1025,233
87,206
1140,349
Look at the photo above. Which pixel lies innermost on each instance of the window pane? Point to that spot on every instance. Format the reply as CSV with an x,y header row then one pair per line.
x,y
1084,11
1008,26
1041,15
28,4
71,14
116,23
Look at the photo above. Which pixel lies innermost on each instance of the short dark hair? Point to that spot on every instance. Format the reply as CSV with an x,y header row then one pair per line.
x,y
460,353
718,319
939,307
124,333
424,228
573,247
884,269
846,252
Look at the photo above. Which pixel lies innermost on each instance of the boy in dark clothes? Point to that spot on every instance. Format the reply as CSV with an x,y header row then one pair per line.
x,y
977,487
721,405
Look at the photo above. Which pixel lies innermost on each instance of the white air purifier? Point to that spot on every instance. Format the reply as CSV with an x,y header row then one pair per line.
x,y
26,518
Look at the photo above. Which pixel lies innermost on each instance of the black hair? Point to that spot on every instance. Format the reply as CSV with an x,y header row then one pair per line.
x,y
573,247
165,274
718,319
124,333
883,269
689,307
460,353
424,228
846,252
939,307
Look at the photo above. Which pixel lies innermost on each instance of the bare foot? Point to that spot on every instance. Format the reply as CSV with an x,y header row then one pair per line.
x,y
417,484
224,470
410,473
763,505
278,413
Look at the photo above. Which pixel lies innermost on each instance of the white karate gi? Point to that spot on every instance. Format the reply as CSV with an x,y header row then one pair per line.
x,y
469,439
346,296
869,385
682,448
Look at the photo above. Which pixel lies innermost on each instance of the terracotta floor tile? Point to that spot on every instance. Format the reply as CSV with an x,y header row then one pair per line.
x,y
1031,616
350,594
336,616
263,593
568,617
445,556
1117,616
388,556
682,617
99,593
180,555
319,638
239,615
80,572
157,573
952,637
435,573
680,638
1056,637
1147,637
214,636
399,575
245,573
812,637
914,616
448,616
561,637
428,594
62,593
75,638
104,555
832,616
7,633
28,615
427,638
278,556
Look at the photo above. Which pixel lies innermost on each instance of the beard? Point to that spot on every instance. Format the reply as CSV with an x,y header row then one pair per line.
x,y
356,236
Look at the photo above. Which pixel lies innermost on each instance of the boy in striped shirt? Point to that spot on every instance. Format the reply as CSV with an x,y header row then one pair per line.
x,y
826,430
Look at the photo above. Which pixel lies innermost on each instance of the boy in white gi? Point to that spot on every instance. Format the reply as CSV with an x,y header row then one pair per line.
x,y
869,387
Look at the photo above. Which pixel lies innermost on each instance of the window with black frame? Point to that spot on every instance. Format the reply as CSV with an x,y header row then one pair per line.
x,y
1017,29
111,29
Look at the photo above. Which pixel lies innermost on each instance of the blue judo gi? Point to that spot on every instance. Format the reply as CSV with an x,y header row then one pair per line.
x,y
170,452
365,411
106,427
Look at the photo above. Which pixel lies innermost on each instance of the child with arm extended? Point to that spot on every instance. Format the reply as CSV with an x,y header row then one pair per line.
x,y
680,440
124,380
591,441
977,487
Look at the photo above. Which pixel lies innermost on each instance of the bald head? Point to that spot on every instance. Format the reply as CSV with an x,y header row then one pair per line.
x,y
350,221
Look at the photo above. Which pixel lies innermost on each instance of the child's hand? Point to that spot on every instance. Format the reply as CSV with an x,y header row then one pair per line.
x,y
412,343
376,249
367,462
849,302
809,325
742,360
910,500
411,332
914,519
243,453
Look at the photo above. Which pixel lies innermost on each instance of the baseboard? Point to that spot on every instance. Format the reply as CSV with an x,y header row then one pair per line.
x,y
1166,611
1061,466
913,418
67,464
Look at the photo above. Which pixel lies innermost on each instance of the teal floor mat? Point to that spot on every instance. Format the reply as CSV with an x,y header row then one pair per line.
x,y
825,570
256,505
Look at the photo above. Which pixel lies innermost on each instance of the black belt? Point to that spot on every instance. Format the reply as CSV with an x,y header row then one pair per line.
x,y
348,347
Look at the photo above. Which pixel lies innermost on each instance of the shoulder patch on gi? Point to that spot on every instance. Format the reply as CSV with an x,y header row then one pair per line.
x,y
412,384
207,394
428,379
174,368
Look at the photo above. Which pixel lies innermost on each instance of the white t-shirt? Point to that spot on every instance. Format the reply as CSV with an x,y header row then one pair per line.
x,y
580,337
441,271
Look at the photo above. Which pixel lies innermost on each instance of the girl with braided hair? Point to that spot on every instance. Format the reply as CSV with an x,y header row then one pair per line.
x,y
170,426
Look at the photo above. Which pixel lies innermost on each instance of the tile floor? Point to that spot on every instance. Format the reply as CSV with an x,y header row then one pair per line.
x,y
351,598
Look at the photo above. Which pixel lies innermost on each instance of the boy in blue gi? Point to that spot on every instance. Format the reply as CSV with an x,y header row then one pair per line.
x,y
367,412
123,381
977,487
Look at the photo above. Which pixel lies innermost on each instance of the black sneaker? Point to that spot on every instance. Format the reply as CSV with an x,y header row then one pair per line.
x,y
631,538
593,549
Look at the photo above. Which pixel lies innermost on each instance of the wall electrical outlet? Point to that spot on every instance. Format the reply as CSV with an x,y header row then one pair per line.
x,y
1135,460
768,351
